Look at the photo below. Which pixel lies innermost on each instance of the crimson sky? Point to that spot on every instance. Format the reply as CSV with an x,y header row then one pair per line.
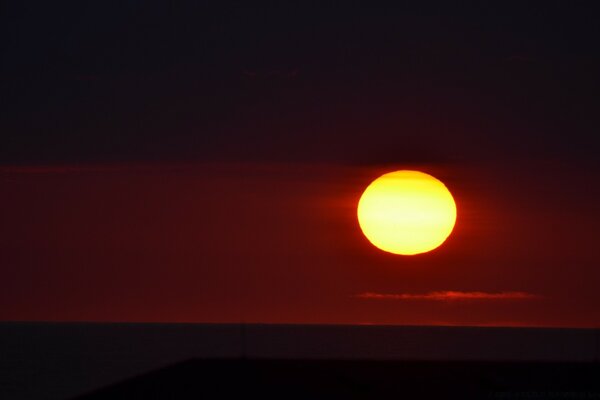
x,y
281,243
177,161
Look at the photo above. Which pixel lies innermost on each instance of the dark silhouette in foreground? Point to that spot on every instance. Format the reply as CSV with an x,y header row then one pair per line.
x,y
325,379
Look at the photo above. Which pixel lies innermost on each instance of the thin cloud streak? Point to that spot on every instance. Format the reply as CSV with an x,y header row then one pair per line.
x,y
449,295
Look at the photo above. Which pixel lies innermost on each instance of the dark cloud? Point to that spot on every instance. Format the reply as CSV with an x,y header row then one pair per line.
x,y
449,295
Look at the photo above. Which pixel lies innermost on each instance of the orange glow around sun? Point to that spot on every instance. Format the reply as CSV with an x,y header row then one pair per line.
x,y
406,212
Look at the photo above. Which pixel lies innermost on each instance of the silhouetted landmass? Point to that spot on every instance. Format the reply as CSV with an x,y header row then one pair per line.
x,y
352,379
64,360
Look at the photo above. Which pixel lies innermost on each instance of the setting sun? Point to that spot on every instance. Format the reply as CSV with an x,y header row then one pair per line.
x,y
406,212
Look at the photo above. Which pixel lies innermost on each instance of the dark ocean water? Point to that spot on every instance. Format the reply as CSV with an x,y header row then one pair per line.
x,y
63,360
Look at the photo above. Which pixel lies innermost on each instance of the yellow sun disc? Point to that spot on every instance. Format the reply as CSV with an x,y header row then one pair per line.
x,y
406,212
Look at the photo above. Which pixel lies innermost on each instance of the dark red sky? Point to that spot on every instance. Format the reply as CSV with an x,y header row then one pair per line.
x,y
281,243
173,161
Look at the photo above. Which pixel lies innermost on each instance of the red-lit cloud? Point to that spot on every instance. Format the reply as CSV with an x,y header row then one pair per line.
x,y
449,295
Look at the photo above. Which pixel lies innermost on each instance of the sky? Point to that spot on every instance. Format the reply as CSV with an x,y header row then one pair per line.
x,y
180,162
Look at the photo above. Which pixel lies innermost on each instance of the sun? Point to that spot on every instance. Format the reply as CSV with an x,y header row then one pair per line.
x,y
406,212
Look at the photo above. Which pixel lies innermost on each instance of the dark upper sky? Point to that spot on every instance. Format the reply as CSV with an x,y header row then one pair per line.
x,y
225,146
173,80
